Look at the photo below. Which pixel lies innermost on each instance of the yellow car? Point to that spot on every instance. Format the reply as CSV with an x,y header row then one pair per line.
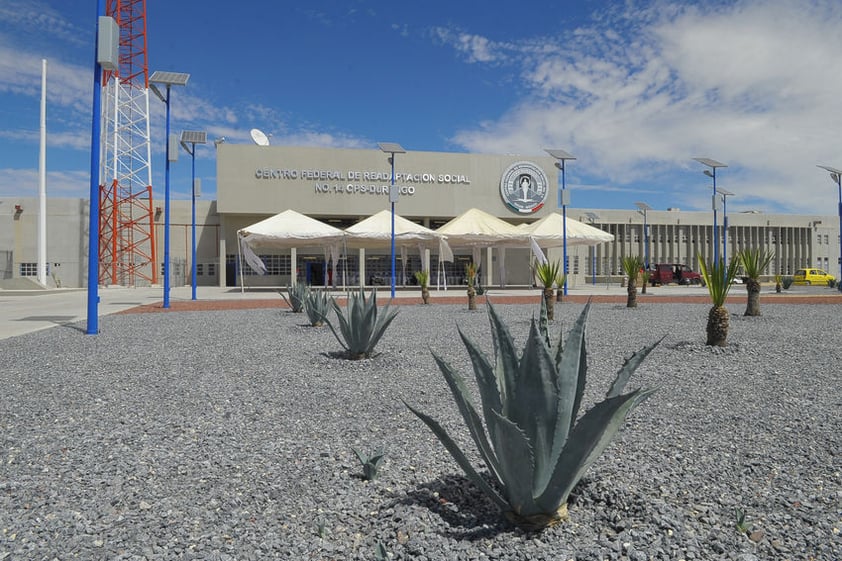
x,y
811,276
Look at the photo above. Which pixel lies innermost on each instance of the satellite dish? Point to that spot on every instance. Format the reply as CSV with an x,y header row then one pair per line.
x,y
259,137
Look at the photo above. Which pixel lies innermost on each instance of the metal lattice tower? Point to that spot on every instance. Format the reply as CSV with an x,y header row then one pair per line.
x,y
126,224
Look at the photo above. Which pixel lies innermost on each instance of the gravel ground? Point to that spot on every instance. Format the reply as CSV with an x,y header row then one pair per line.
x,y
227,435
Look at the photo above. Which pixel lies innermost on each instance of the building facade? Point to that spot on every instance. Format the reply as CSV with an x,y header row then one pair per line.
x,y
342,187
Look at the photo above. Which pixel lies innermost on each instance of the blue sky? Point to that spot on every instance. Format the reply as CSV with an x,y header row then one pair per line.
x,y
634,89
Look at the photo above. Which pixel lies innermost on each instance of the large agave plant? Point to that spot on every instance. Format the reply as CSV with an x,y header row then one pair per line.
x,y
297,295
533,447
317,304
362,325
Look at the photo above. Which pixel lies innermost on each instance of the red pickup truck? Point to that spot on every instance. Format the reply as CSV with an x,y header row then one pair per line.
x,y
666,273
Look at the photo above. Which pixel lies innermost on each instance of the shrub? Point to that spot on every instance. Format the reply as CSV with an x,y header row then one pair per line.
x,y
533,446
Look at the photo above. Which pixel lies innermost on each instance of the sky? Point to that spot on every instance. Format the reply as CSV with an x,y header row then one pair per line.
x,y
634,90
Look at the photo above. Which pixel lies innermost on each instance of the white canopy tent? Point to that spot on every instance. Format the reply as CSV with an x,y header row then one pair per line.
x,y
477,229
376,232
288,229
549,232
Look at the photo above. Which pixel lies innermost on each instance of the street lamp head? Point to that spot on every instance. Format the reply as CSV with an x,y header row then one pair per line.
x,y
711,163
642,206
193,138
835,177
166,79
559,154
391,147
218,141
169,78
708,173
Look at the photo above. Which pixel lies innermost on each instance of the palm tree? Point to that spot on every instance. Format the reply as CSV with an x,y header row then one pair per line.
x,y
754,262
718,279
423,278
547,273
559,283
471,277
631,266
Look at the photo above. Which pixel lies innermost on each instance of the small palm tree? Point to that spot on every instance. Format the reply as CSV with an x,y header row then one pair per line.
x,y
547,273
560,281
423,278
754,262
718,279
471,278
631,267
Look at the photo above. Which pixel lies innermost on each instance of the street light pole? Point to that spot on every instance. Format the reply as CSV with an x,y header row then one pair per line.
x,y
593,218
836,177
563,202
725,194
193,138
643,208
713,164
93,214
392,148
168,79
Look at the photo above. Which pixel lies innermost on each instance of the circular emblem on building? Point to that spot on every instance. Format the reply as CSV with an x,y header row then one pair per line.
x,y
524,187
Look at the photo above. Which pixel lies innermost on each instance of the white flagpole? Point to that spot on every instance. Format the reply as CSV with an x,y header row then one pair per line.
x,y
42,182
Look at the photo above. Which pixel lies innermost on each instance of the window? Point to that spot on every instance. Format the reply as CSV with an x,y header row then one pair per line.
x,y
200,269
29,269
211,269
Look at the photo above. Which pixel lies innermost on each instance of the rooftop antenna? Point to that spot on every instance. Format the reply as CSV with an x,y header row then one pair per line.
x,y
259,137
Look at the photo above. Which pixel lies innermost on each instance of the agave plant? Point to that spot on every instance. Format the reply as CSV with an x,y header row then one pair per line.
x,y
718,279
547,273
532,445
317,304
362,325
632,266
370,463
754,262
297,295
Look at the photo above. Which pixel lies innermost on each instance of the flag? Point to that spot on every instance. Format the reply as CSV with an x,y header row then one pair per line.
x,y
536,249
445,253
252,259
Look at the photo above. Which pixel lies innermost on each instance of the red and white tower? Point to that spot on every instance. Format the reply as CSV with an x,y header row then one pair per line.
x,y
126,223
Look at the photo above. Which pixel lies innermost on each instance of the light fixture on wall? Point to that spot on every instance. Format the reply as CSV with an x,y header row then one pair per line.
x,y
18,210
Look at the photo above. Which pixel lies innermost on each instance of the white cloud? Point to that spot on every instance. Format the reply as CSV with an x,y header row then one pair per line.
x,y
475,48
24,183
752,83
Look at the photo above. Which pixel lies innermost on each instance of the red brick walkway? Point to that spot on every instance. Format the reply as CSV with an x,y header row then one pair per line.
x,y
642,299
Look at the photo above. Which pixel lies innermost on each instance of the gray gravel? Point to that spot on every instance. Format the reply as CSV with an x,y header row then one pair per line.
x,y
228,435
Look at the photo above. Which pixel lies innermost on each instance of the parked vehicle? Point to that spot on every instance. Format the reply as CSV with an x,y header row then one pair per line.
x,y
666,273
812,276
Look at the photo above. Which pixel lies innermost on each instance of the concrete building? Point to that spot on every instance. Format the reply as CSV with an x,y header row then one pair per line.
x,y
342,187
